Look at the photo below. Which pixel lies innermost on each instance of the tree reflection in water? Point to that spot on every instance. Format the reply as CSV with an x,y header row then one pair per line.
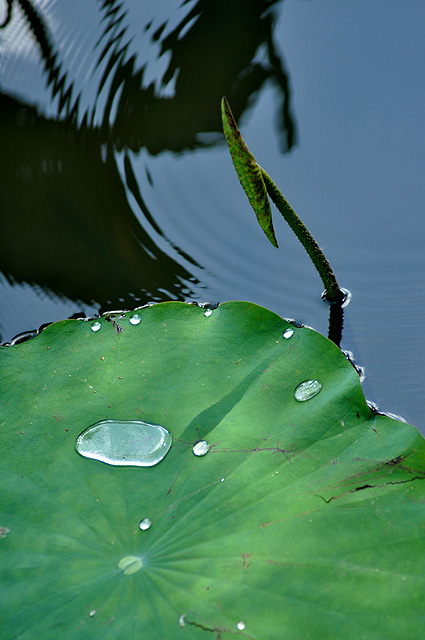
x,y
67,224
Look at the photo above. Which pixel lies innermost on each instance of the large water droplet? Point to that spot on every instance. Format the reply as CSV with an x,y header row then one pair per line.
x,y
130,564
135,318
95,326
208,313
307,390
241,625
145,524
201,448
125,443
288,333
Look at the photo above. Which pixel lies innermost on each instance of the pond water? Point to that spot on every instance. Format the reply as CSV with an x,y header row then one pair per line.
x,y
116,186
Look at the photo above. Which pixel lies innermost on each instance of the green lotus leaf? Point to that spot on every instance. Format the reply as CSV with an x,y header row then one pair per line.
x,y
305,519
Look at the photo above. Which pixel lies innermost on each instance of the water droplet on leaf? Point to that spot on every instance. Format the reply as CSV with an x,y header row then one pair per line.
x,y
201,448
207,313
241,625
135,319
307,390
130,564
95,326
125,443
182,622
145,524
288,333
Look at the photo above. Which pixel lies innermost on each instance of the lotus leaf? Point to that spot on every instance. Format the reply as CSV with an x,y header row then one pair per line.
x,y
305,519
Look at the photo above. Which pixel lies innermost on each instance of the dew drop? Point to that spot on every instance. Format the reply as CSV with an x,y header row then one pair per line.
x,y
124,443
207,313
130,564
201,448
306,390
182,622
241,625
145,524
221,479
95,326
288,333
135,319
92,613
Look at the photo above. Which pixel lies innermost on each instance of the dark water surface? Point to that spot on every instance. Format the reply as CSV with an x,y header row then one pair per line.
x,y
116,186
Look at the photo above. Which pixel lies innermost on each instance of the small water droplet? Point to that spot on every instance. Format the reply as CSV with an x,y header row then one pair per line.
x,y
125,443
201,448
306,390
241,625
221,479
207,313
130,564
95,326
288,333
182,622
135,319
92,613
145,524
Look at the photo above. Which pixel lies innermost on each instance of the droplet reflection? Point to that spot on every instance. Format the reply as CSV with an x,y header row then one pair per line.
x,y
135,319
307,390
130,564
288,333
201,448
95,326
125,443
145,524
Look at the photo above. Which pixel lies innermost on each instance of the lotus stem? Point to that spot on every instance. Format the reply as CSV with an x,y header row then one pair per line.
x,y
333,291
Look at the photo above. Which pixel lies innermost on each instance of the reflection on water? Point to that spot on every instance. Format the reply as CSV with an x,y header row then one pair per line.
x,y
67,223
216,56
114,190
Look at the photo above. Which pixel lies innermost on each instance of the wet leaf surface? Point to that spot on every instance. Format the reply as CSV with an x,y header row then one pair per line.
x,y
304,518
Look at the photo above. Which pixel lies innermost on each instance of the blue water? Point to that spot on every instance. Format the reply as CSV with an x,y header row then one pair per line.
x,y
135,198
